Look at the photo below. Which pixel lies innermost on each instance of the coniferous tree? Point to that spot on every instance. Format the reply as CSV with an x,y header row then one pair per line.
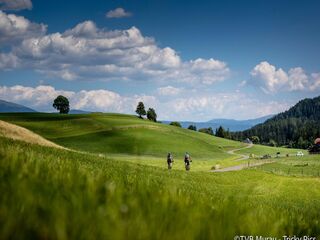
x,y
192,127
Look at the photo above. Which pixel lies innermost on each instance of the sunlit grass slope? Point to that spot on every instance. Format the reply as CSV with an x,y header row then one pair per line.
x,y
132,139
19,133
49,193
123,134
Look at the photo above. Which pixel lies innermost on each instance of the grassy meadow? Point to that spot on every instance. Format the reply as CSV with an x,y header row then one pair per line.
x,y
129,138
306,166
113,183
57,194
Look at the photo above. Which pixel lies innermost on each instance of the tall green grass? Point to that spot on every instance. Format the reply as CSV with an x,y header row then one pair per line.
x,y
56,194
305,166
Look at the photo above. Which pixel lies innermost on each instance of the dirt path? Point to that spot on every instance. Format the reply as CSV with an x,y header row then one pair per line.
x,y
241,157
240,167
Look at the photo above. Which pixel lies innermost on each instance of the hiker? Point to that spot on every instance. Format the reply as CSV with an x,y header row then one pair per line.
x,y
169,160
187,160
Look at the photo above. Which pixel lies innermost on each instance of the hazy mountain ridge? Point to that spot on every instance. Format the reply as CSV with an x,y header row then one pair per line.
x,y
7,107
231,124
13,107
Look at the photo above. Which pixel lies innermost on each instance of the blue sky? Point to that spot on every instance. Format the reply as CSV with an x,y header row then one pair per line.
x,y
190,60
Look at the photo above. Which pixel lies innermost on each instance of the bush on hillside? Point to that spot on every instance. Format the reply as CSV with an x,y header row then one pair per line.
x,y
177,124
255,139
206,130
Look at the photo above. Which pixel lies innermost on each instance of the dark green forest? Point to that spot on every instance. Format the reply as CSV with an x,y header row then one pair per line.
x,y
297,127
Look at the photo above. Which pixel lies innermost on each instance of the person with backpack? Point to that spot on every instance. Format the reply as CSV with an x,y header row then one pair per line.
x,y
169,160
187,161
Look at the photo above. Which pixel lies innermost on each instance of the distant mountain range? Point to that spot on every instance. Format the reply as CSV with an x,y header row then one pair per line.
x,y
78,111
8,107
231,124
13,107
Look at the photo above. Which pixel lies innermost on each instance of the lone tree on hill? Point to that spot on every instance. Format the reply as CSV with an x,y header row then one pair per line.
x,y
140,110
151,115
61,103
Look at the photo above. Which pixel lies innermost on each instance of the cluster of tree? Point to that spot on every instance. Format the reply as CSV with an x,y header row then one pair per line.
x,y
295,128
221,132
192,127
151,113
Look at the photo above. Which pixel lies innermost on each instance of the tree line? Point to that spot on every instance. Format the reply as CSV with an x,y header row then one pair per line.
x,y
296,128
219,132
151,113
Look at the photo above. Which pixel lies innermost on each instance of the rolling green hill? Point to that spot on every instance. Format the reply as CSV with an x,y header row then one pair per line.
x,y
132,139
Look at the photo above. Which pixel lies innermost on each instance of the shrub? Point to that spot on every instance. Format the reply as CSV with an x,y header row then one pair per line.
x,y
177,124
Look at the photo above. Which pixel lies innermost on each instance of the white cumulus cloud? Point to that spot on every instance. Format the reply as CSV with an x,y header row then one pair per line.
x,y
87,52
15,4
268,77
199,107
315,83
298,80
271,80
169,91
15,28
194,106
8,61
41,98
118,13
